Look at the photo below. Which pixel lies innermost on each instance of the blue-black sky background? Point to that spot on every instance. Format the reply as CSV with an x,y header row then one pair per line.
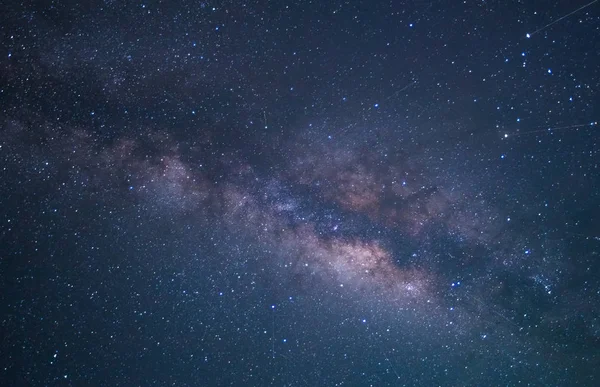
x,y
300,193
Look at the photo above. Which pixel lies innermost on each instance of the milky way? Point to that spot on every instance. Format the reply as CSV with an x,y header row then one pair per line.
x,y
300,194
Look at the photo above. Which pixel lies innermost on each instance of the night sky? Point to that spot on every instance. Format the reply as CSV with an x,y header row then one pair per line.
x,y
300,193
